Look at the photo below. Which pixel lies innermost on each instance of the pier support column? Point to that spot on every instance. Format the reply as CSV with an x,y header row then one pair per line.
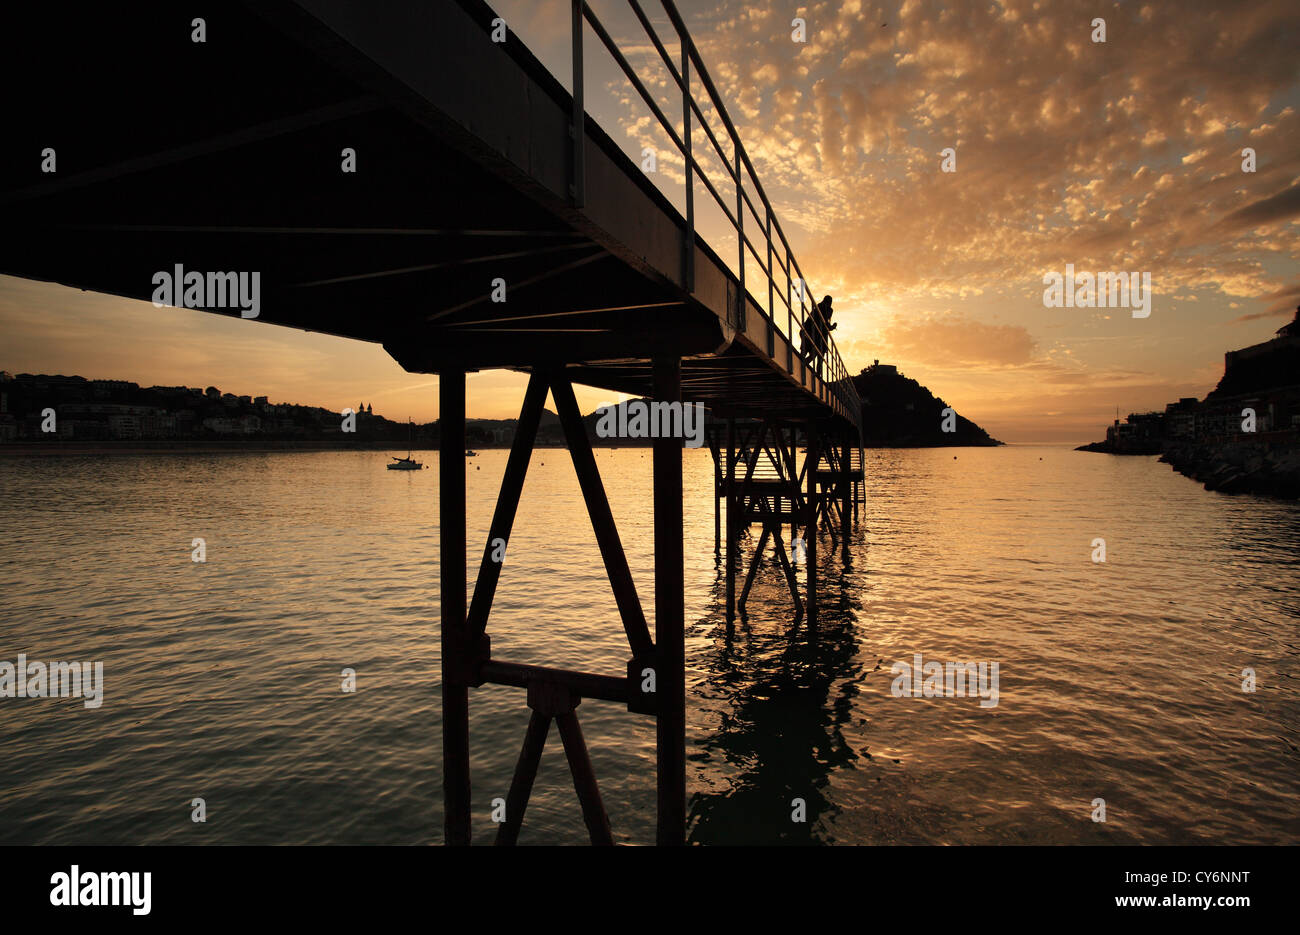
x,y
733,528
861,493
846,492
670,615
810,546
717,496
455,638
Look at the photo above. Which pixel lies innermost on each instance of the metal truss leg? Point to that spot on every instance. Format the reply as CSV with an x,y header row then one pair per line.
x,y
733,527
521,787
670,615
810,546
455,648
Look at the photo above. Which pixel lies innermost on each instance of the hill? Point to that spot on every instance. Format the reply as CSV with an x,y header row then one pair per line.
x,y
899,412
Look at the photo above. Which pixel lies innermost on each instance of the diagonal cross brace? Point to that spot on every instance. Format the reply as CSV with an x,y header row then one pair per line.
x,y
551,701
503,518
602,519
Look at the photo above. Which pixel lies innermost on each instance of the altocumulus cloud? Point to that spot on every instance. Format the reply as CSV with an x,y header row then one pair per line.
x,y
1118,155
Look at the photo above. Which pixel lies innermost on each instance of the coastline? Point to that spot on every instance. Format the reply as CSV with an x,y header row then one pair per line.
x,y
1266,468
1107,448
68,448
1262,467
55,449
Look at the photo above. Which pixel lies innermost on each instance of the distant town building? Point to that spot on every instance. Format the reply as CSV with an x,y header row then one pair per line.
x,y
1139,432
120,410
1288,336
104,389
125,426
222,425
1255,406
1180,418
1292,328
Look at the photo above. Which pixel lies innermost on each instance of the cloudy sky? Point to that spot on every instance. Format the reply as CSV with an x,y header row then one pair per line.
x,y
1117,156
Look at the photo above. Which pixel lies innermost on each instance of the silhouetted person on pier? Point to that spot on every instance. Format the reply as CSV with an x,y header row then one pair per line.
x,y
817,333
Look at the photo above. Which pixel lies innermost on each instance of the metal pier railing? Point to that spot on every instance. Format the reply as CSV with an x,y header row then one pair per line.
x,y
772,254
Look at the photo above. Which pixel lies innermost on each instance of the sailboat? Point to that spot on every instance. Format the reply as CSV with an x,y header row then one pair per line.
x,y
408,463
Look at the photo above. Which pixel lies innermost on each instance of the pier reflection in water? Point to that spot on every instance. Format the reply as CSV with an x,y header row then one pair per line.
x,y
782,698
1119,681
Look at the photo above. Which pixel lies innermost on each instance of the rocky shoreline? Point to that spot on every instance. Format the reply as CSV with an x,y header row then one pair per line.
x,y
1244,437
1259,468
1108,448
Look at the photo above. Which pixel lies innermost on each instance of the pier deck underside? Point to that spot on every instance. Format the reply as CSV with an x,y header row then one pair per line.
x,y
228,155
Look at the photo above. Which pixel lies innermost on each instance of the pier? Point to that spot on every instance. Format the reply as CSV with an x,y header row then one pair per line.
x,y
486,222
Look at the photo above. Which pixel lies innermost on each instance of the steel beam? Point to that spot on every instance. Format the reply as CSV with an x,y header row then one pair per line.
x,y
602,519
521,786
733,527
753,566
717,495
578,128
846,493
670,616
584,779
503,518
582,684
455,642
810,543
